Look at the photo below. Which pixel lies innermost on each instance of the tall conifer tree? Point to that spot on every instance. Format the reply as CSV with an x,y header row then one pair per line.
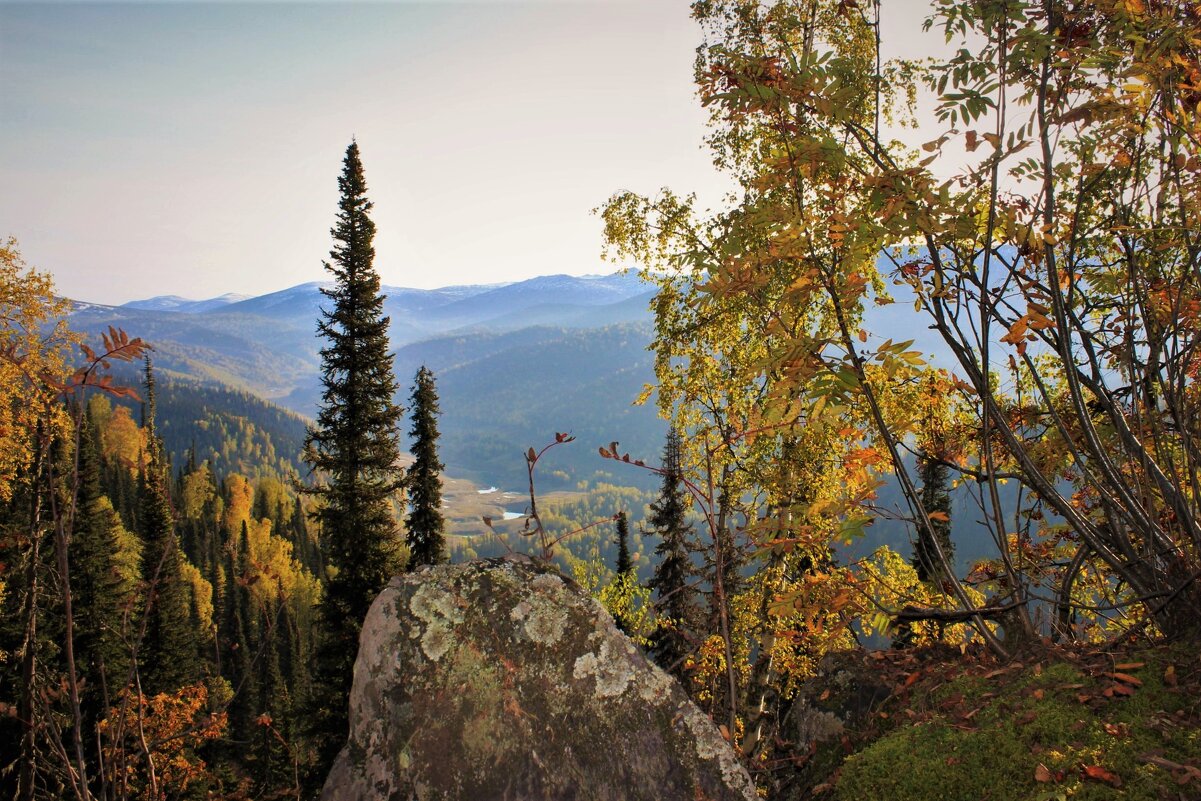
x,y
624,563
936,498
354,446
168,657
100,590
676,605
240,635
426,527
625,566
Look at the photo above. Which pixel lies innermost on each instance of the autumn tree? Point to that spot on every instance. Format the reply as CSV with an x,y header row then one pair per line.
x,y
354,449
1053,259
425,524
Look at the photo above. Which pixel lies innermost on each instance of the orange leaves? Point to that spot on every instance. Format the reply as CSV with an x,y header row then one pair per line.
x,y
1017,334
1116,729
1097,773
1123,686
1127,678
175,725
1035,319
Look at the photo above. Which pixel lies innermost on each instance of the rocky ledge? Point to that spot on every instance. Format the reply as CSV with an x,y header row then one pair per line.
x,y
501,680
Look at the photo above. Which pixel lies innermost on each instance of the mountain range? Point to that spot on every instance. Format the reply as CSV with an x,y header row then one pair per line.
x,y
515,362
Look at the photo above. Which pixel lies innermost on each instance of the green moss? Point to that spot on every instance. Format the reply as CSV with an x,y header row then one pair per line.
x,y
1033,718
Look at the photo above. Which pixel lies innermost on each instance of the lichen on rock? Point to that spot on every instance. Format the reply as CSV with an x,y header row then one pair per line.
x,y
610,665
500,680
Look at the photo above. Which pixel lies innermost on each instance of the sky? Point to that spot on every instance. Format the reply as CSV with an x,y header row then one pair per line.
x,y
193,149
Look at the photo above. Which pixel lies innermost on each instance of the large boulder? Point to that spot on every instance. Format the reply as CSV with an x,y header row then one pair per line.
x,y
500,680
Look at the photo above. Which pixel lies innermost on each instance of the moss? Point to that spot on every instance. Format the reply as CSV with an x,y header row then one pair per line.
x,y
988,740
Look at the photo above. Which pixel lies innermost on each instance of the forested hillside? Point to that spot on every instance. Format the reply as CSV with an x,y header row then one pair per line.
x,y
232,430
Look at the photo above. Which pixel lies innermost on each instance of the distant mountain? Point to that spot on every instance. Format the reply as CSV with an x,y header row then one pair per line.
x,y
514,362
184,305
421,313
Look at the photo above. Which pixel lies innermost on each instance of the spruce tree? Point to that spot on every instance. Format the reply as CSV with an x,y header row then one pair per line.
x,y
624,565
426,527
239,665
676,605
936,498
99,589
355,447
169,655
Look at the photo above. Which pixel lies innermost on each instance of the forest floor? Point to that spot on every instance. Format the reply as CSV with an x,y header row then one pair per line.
x,y
1078,723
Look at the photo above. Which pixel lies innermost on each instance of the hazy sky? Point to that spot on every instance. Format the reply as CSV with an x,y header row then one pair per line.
x,y
193,149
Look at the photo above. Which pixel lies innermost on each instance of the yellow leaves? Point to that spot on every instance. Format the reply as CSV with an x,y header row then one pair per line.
x,y
123,441
891,583
1020,331
201,592
32,366
239,495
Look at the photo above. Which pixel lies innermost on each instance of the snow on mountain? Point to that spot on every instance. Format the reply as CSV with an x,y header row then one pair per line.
x,y
183,305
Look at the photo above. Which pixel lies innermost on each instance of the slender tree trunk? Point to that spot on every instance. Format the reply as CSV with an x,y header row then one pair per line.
x,y
61,546
25,706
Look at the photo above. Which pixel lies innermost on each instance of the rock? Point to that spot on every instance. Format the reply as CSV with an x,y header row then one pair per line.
x,y
500,680
842,696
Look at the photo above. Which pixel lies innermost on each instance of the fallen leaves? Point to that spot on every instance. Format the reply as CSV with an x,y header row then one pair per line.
x,y
1169,676
1097,773
1183,774
1116,729
1123,684
1044,775
1126,677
